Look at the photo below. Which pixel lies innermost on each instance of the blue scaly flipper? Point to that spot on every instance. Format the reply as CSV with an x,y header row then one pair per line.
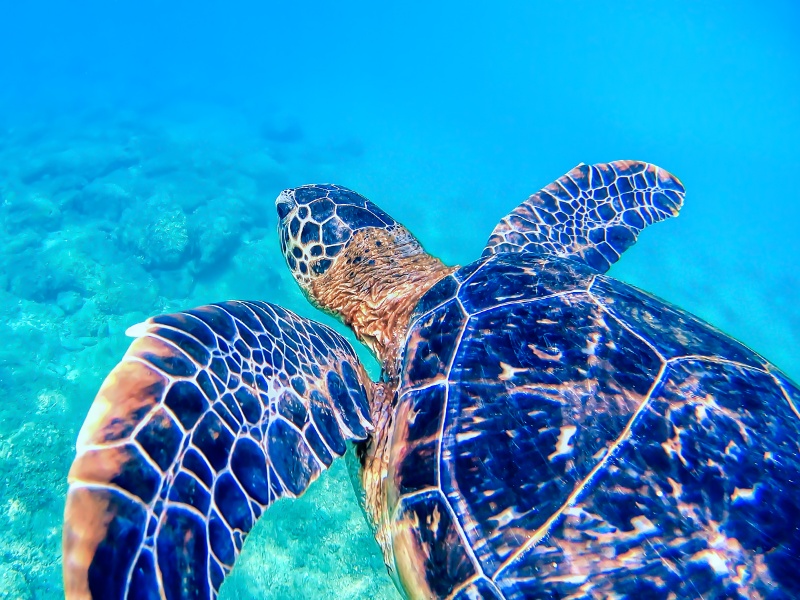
x,y
592,214
211,415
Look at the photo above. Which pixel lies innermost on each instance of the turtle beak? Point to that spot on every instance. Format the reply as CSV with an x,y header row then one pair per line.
x,y
285,203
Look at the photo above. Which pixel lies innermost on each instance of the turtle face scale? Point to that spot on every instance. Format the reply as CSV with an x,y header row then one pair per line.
x,y
315,222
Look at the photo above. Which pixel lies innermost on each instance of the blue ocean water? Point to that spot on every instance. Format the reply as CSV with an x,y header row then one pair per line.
x,y
142,146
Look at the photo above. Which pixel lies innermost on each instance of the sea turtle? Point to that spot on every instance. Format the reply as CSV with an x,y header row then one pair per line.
x,y
540,430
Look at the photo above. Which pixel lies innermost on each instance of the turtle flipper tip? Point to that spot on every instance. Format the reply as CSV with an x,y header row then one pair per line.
x,y
137,330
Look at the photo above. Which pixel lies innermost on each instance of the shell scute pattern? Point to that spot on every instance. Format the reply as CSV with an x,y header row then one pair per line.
x,y
689,503
789,390
223,421
419,418
559,398
671,331
432,344
427,521
507,281
442,292
478,588
593,212
593,441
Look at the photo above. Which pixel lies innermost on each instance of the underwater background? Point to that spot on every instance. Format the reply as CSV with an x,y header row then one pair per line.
x,y
142,145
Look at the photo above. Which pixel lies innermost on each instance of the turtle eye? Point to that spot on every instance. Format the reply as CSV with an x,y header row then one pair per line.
x,y
284,204
284,208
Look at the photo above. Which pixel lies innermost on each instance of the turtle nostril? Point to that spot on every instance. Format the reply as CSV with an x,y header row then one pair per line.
x,y
284,205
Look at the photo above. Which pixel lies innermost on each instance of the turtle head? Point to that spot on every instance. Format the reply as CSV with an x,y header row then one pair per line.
x,y
316,222
353,260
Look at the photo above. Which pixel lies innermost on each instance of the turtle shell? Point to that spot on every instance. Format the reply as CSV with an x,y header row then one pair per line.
x,y
560,434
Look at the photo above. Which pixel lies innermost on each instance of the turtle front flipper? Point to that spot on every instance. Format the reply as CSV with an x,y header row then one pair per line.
x,y
211,415
592,214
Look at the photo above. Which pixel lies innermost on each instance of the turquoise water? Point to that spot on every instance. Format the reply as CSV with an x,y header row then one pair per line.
x,y
142,146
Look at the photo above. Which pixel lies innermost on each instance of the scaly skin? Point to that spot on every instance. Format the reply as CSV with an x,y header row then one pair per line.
x,y
373,287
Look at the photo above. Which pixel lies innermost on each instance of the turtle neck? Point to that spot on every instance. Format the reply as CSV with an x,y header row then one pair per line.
x,y
374,285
